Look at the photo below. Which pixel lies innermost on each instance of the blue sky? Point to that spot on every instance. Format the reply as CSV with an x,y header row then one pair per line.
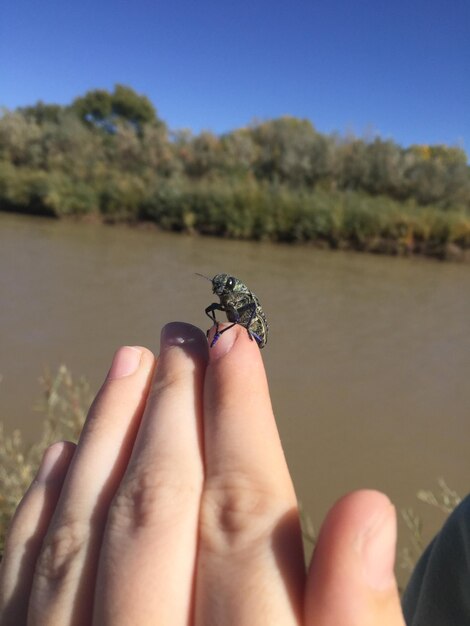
x,y
397,68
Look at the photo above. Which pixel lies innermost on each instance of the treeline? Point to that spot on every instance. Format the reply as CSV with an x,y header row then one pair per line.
x,y
108,154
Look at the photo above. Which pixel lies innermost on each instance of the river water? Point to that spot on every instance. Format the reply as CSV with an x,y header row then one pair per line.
x,y
368,357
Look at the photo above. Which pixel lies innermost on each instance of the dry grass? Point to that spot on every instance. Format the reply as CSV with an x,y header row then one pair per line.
x,y
445,500
64,405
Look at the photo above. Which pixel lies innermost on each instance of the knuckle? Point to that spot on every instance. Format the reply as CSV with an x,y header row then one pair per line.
x,y
169,381
150,496
63,546
236,514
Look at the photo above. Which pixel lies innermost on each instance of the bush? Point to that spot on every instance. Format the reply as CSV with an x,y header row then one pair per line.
x,y
25,190
121,198
250,184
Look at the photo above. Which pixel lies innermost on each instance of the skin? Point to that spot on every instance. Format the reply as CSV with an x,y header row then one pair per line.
x,y
177,507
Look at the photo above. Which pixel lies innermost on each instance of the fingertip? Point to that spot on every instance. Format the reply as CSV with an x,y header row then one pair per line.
x,y
229,339
354,561
376,546
235,373
350,521
126,360
186,336
366,520
55,461
356,507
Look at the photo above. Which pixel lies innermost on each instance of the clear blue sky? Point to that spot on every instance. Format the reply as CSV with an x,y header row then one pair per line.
x,y
399,68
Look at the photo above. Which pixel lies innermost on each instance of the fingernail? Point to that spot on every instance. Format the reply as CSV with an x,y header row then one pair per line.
x,y
51,461
125,362
183,335
377,546
223,342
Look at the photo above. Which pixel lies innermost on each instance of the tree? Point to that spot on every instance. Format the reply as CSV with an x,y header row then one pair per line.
x,y
128,105
42,113
103,109
286,146
95,107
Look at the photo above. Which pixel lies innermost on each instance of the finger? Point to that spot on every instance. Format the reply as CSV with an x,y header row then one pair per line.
x,y
27,531
64,578
146,573
351,580
250,561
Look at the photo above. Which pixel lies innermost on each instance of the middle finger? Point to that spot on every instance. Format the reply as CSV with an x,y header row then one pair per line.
x,y
148,557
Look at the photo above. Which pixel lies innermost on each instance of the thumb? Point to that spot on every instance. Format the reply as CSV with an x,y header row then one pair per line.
x,y
351,580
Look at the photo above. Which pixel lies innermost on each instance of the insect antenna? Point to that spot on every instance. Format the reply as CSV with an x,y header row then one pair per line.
x,y
206,277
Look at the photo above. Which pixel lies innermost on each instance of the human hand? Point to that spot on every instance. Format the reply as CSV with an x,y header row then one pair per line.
x,y
176,508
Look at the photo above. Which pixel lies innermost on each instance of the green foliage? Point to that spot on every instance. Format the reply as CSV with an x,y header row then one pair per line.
x,y
109,154
103,109
42,193
121,198
42,113
67,196
128,105
95,106
289,150
24,190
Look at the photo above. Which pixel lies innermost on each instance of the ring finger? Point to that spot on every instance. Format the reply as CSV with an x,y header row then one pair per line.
x,y
64,578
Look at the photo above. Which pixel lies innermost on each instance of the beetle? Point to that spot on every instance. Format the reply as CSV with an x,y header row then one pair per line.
x,y
240,305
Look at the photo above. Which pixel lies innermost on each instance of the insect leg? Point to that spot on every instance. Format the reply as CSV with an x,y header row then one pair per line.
x,y
210,312
236,312
247,307
217,333
232,315
252,334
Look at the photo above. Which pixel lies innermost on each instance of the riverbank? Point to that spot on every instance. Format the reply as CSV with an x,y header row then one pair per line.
x,y
248,210
109,157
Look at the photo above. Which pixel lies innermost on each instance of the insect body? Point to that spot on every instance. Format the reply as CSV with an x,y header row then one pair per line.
x,y
240,305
